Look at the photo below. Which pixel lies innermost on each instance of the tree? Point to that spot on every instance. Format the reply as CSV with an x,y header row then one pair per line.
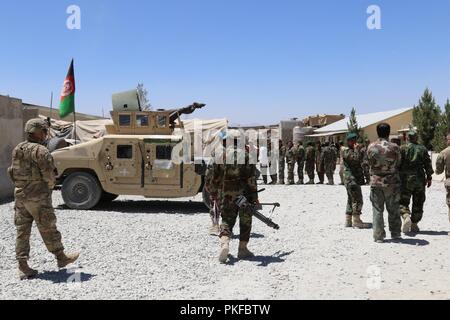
x,y
443,129
352,124
425,118
143,97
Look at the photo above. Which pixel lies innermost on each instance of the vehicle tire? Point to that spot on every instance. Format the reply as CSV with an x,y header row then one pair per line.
x,y
206,199
56,143
108,197
81,190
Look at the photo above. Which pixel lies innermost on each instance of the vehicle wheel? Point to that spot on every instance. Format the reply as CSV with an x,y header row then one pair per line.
x,y
56,143
108,197
81,190
206,199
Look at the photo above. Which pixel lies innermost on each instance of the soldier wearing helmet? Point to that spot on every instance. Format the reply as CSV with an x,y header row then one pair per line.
x,y
33,174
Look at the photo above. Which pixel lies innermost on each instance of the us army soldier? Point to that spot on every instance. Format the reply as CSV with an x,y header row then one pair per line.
x,y
33,174
310,158
443,165
291,158
300,162
281,162
329,162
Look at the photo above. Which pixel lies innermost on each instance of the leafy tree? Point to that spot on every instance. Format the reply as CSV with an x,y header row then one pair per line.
x,y
352,124
143,97
443,129
425,118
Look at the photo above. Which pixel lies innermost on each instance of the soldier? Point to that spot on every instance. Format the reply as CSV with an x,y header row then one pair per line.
x,y
341,163
215,197
365,160
310,158
353,179
300,162
443,164
236,177
33,174
291,157
319,163
415,164
329,162
281,162
384,161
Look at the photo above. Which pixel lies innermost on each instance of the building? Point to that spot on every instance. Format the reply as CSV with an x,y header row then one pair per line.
x,y
399,119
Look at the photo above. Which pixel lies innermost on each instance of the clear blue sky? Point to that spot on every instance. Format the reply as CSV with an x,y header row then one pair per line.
x,y
252,61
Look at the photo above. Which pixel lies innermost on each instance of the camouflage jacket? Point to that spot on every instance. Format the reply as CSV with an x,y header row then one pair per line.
x,y
415,161
310,154
32,171
238,176
365,158
291,155
384,161
319,160
300,153
329,158
443,164
353,172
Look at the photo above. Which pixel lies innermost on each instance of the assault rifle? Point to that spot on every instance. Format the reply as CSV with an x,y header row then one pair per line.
x,y
242,202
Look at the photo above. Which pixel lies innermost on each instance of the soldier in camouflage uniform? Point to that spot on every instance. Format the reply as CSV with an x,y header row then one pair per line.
x,y
215,197
281,162
416,172
310,158
365,161
300,162
443,165
341,163
236,177
384,161
33,174
329,162
291,157
353,179
319,163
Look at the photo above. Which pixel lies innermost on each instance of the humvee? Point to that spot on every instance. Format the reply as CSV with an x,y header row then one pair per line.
x,y
133,158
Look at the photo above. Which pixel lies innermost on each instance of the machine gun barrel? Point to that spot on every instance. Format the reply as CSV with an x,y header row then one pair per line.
x,y
265,220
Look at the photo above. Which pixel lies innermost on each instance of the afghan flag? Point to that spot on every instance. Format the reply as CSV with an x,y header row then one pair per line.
x,y
67,104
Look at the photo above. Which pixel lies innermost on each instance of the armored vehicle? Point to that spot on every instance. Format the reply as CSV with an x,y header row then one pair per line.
x,y
133,158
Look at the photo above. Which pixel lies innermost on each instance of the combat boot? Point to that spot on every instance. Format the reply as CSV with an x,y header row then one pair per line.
x,y
224,249
348,221
406,223
214,230
274,179
243,252
358,223
65,259
415,228
25,272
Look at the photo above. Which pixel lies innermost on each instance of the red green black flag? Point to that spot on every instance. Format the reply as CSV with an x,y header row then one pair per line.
x,y
67,104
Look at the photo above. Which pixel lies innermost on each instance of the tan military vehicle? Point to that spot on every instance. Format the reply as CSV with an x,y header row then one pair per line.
x,y
133,158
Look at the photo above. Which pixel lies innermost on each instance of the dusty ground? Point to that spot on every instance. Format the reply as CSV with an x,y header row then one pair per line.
x,y
140,249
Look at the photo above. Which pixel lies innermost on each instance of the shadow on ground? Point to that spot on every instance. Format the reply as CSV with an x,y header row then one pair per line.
x,y
412,242
65,276
143,206
263,261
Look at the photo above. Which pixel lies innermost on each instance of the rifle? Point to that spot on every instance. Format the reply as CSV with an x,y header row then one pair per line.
x,y
242,202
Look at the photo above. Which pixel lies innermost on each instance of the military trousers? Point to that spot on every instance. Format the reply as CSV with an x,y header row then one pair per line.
x,y
354,199
415,189
300,169
310,172
330,175
43,214
230,212
290,178
281,168
389,197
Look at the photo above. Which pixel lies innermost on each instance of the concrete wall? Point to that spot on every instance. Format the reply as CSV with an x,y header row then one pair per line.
x,y
12,121
11,133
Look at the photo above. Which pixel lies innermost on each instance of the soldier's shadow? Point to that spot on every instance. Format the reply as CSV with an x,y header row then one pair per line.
x,y
149,207
65,276
412,242
263,261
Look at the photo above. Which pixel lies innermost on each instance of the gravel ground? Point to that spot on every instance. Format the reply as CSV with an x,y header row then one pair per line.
x,y
141,249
